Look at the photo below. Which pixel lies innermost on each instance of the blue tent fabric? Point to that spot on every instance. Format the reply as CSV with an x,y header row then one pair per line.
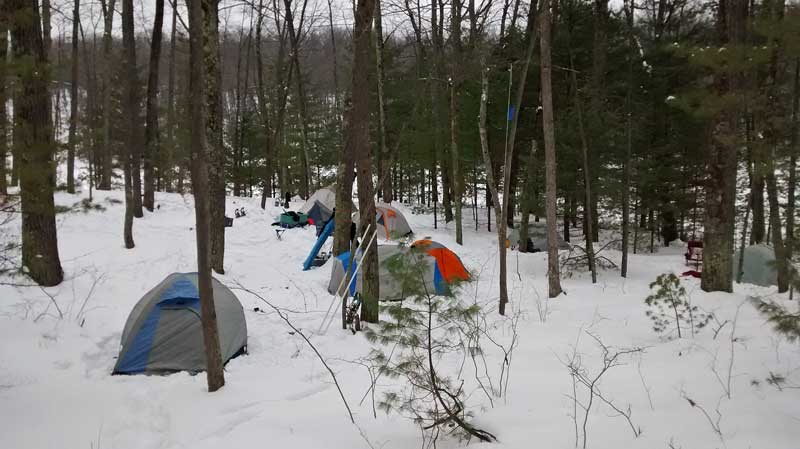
x,y
135,359
180,289
438,280
326,232
164,332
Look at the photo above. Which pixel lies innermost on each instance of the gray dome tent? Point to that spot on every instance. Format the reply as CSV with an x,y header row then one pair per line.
x,y
164,334
758,266
537,234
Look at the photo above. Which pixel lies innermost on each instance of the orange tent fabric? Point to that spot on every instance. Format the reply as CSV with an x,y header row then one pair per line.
x,y
450,265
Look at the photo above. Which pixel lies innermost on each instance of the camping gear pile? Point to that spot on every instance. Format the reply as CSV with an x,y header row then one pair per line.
x,y
164,334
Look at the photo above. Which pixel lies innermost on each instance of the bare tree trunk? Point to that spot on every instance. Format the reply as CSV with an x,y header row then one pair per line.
x,y
131,105
790,207
596,107
202,22
108,23
151,137
455,86
168,165
587,177
490,181
301,101
357,139
336,98
554,281
383,152
213,145
626,169
33,137
263,110
3,101
73,100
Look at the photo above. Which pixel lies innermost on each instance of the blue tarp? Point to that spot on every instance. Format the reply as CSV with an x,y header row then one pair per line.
x,y
326,232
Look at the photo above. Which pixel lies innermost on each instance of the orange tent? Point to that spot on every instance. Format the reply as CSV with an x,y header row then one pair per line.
x,y
448,263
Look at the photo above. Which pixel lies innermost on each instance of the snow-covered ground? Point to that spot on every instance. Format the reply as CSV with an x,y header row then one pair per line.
x,y
56,389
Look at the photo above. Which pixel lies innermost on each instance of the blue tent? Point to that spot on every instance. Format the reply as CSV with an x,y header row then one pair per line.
x,y
164,333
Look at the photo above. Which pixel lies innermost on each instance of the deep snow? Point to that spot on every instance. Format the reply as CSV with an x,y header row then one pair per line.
x,y
56,390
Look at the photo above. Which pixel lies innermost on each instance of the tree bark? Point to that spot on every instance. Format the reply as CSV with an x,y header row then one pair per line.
x,y
721,162
383,152
263,111
587,174
108,23
202,31
455,85
151,137
131,106
357,139
301,101
553,277
73,100
793,149
630,7
598,79
3,101
168,166
490,181
33,138
213,145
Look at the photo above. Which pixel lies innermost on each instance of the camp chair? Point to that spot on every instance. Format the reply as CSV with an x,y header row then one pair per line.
x,y
694,253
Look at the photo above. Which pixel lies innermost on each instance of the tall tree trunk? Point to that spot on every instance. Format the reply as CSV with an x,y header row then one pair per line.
x,y
73,100
721,164
553,277
357,139
131,106
383,152
335,57
215,150
793,148
3,101
756,185
597,108
33,137
263,111
490,181
455,87
202,22
301,100
108,154
168,166
151,137
630,7
587,174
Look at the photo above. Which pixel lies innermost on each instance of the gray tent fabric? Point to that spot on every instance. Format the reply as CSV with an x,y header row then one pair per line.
x,y
391,223
164,334
325,196
537,233
758,266
390,288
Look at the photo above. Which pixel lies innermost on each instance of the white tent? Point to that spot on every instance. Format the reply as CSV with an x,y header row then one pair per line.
x,y
325,195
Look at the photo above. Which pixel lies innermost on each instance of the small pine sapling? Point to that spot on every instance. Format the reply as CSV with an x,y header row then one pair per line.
x,y
670,304
421,332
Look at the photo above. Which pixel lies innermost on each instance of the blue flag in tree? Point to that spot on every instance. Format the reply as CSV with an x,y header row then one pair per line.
x,y
510,113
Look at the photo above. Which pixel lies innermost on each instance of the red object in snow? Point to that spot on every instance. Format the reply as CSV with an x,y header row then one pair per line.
x,y
692,273
311,221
